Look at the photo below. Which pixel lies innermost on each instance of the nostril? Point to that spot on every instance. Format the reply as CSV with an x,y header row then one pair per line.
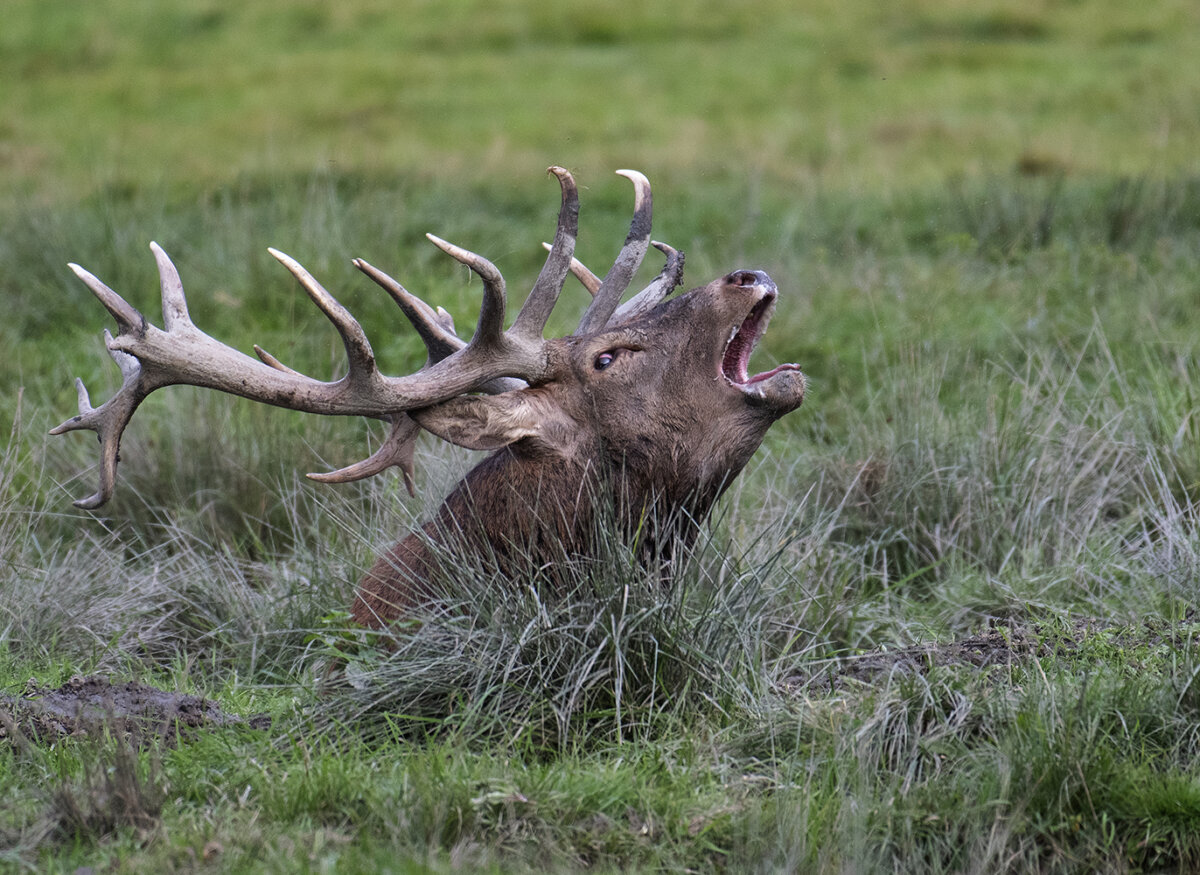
x,y
748,278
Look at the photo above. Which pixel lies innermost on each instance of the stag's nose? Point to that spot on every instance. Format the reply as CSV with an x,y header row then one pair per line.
x,y
750,278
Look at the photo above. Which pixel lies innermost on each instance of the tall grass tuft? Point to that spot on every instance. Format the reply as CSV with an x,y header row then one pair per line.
x,y
1043,469
139,596
618,651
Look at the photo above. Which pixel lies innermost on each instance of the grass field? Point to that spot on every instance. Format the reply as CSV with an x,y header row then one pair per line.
x,y
945,622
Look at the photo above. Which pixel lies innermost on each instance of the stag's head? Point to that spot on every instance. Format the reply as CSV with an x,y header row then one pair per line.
x,y
655,392
663,395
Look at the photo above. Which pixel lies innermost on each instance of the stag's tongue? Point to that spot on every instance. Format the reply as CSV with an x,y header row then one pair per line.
x,y
778,369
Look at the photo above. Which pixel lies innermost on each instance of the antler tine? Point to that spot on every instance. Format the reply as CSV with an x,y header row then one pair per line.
x,y
358,348
108,421
396,450
617,280
174,303
269,359
440,340
129,319
531,320
491,312
579,270
661,286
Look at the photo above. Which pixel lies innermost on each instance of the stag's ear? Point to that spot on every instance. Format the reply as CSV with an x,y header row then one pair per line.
x,y
489,422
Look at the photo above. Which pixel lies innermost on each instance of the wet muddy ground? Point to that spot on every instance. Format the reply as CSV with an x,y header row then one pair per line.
x,y
92,706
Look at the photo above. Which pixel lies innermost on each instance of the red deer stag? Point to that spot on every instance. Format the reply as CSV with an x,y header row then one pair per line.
x,y
649,400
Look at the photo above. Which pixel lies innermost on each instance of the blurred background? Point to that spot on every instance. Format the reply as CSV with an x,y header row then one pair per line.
x,y
841,94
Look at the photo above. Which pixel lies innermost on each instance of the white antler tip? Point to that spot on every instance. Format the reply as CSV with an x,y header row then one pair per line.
x,y
641,186
634,175
287,261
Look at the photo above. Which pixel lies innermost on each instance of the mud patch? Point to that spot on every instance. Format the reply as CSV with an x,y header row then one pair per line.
x,y
93,706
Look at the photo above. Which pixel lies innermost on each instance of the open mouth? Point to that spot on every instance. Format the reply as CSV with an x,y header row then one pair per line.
x,y
735,363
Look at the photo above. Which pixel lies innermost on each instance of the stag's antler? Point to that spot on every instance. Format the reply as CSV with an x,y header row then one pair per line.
x,y
648,298
436,328
494,360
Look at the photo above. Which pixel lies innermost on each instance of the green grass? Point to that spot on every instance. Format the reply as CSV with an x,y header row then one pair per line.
x,y
985,223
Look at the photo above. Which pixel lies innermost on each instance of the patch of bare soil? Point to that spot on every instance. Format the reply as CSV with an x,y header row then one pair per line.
x,y
92,706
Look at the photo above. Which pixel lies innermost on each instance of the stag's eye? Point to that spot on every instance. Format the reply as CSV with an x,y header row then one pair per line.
x,y
604,360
